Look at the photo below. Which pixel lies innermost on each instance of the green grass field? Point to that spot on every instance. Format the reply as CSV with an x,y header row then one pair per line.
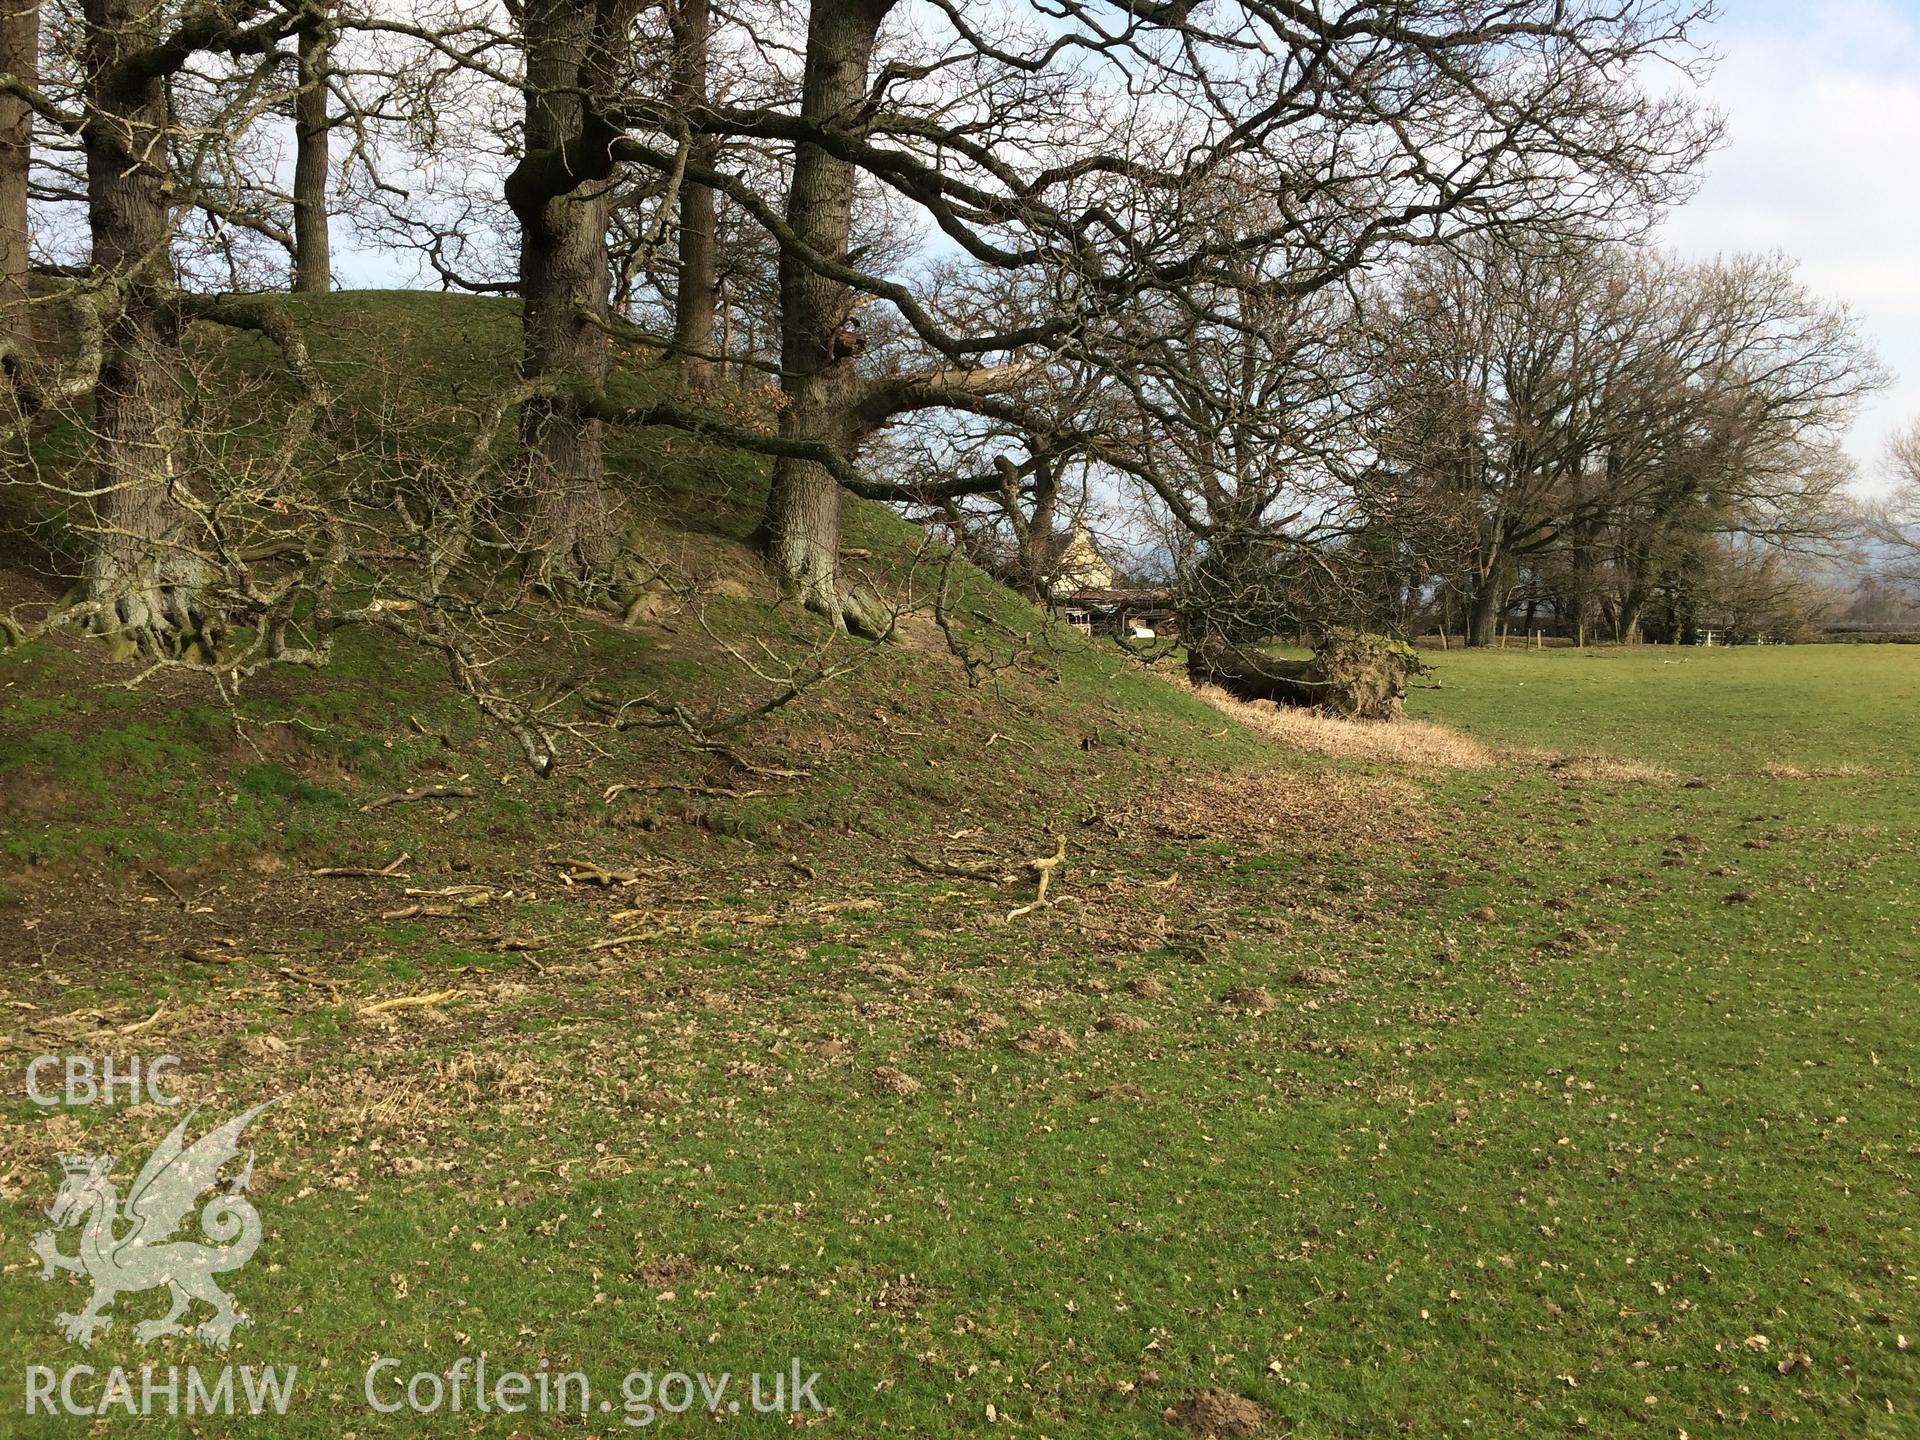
x,y
1610,1128
1572,1094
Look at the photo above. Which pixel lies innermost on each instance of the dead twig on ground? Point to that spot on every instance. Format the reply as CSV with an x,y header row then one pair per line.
x,y
958,872
390,869
424,792
185,903
575,872
407,1002
713,792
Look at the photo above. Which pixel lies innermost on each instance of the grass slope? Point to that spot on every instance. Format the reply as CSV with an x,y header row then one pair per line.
x,y
1398,1100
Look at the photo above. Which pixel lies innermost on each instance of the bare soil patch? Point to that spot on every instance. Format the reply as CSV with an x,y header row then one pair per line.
x,y
1217,1415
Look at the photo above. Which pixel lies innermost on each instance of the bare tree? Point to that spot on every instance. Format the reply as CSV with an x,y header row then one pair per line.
x,y
696,287
1895,522
19,77
1584,415
1371,130
312,162
575,64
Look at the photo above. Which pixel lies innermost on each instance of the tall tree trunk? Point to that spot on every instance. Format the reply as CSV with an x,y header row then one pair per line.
x,y
19,56
1632,607
312,167
145,563
1484,614
564,280
695,291
801,530
561,196
1039,555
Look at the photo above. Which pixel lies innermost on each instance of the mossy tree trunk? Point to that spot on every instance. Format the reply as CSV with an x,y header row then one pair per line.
x,y
1483,610
560,194
801,529
312,167
19,56
696,292
146,562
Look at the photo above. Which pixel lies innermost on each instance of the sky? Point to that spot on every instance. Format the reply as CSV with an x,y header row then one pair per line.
x,y
1822,100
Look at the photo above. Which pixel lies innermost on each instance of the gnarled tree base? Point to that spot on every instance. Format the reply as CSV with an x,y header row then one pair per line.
x,y
154,606
573,542
808,571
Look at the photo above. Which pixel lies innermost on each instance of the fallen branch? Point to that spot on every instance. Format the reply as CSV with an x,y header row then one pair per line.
x,y
1044,867
139,1025
621,940
406,1002
715,792
740,762
958,872
467,897
425,792
573,872
392,868
510,944
332,987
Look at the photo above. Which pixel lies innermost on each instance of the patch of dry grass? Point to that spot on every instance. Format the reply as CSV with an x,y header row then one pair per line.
x,y
1418,742
1783,770
1402,742
1606,768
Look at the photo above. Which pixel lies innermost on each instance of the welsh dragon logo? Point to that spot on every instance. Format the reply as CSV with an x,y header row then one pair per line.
x,y
146,1256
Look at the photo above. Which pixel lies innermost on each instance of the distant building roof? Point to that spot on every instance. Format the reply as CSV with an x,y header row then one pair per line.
x,y
1081,565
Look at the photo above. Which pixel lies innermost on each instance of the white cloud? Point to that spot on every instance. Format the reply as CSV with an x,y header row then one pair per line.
x,y
1823,110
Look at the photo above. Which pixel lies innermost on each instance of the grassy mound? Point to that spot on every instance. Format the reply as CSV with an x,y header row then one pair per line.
x,y
101,760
